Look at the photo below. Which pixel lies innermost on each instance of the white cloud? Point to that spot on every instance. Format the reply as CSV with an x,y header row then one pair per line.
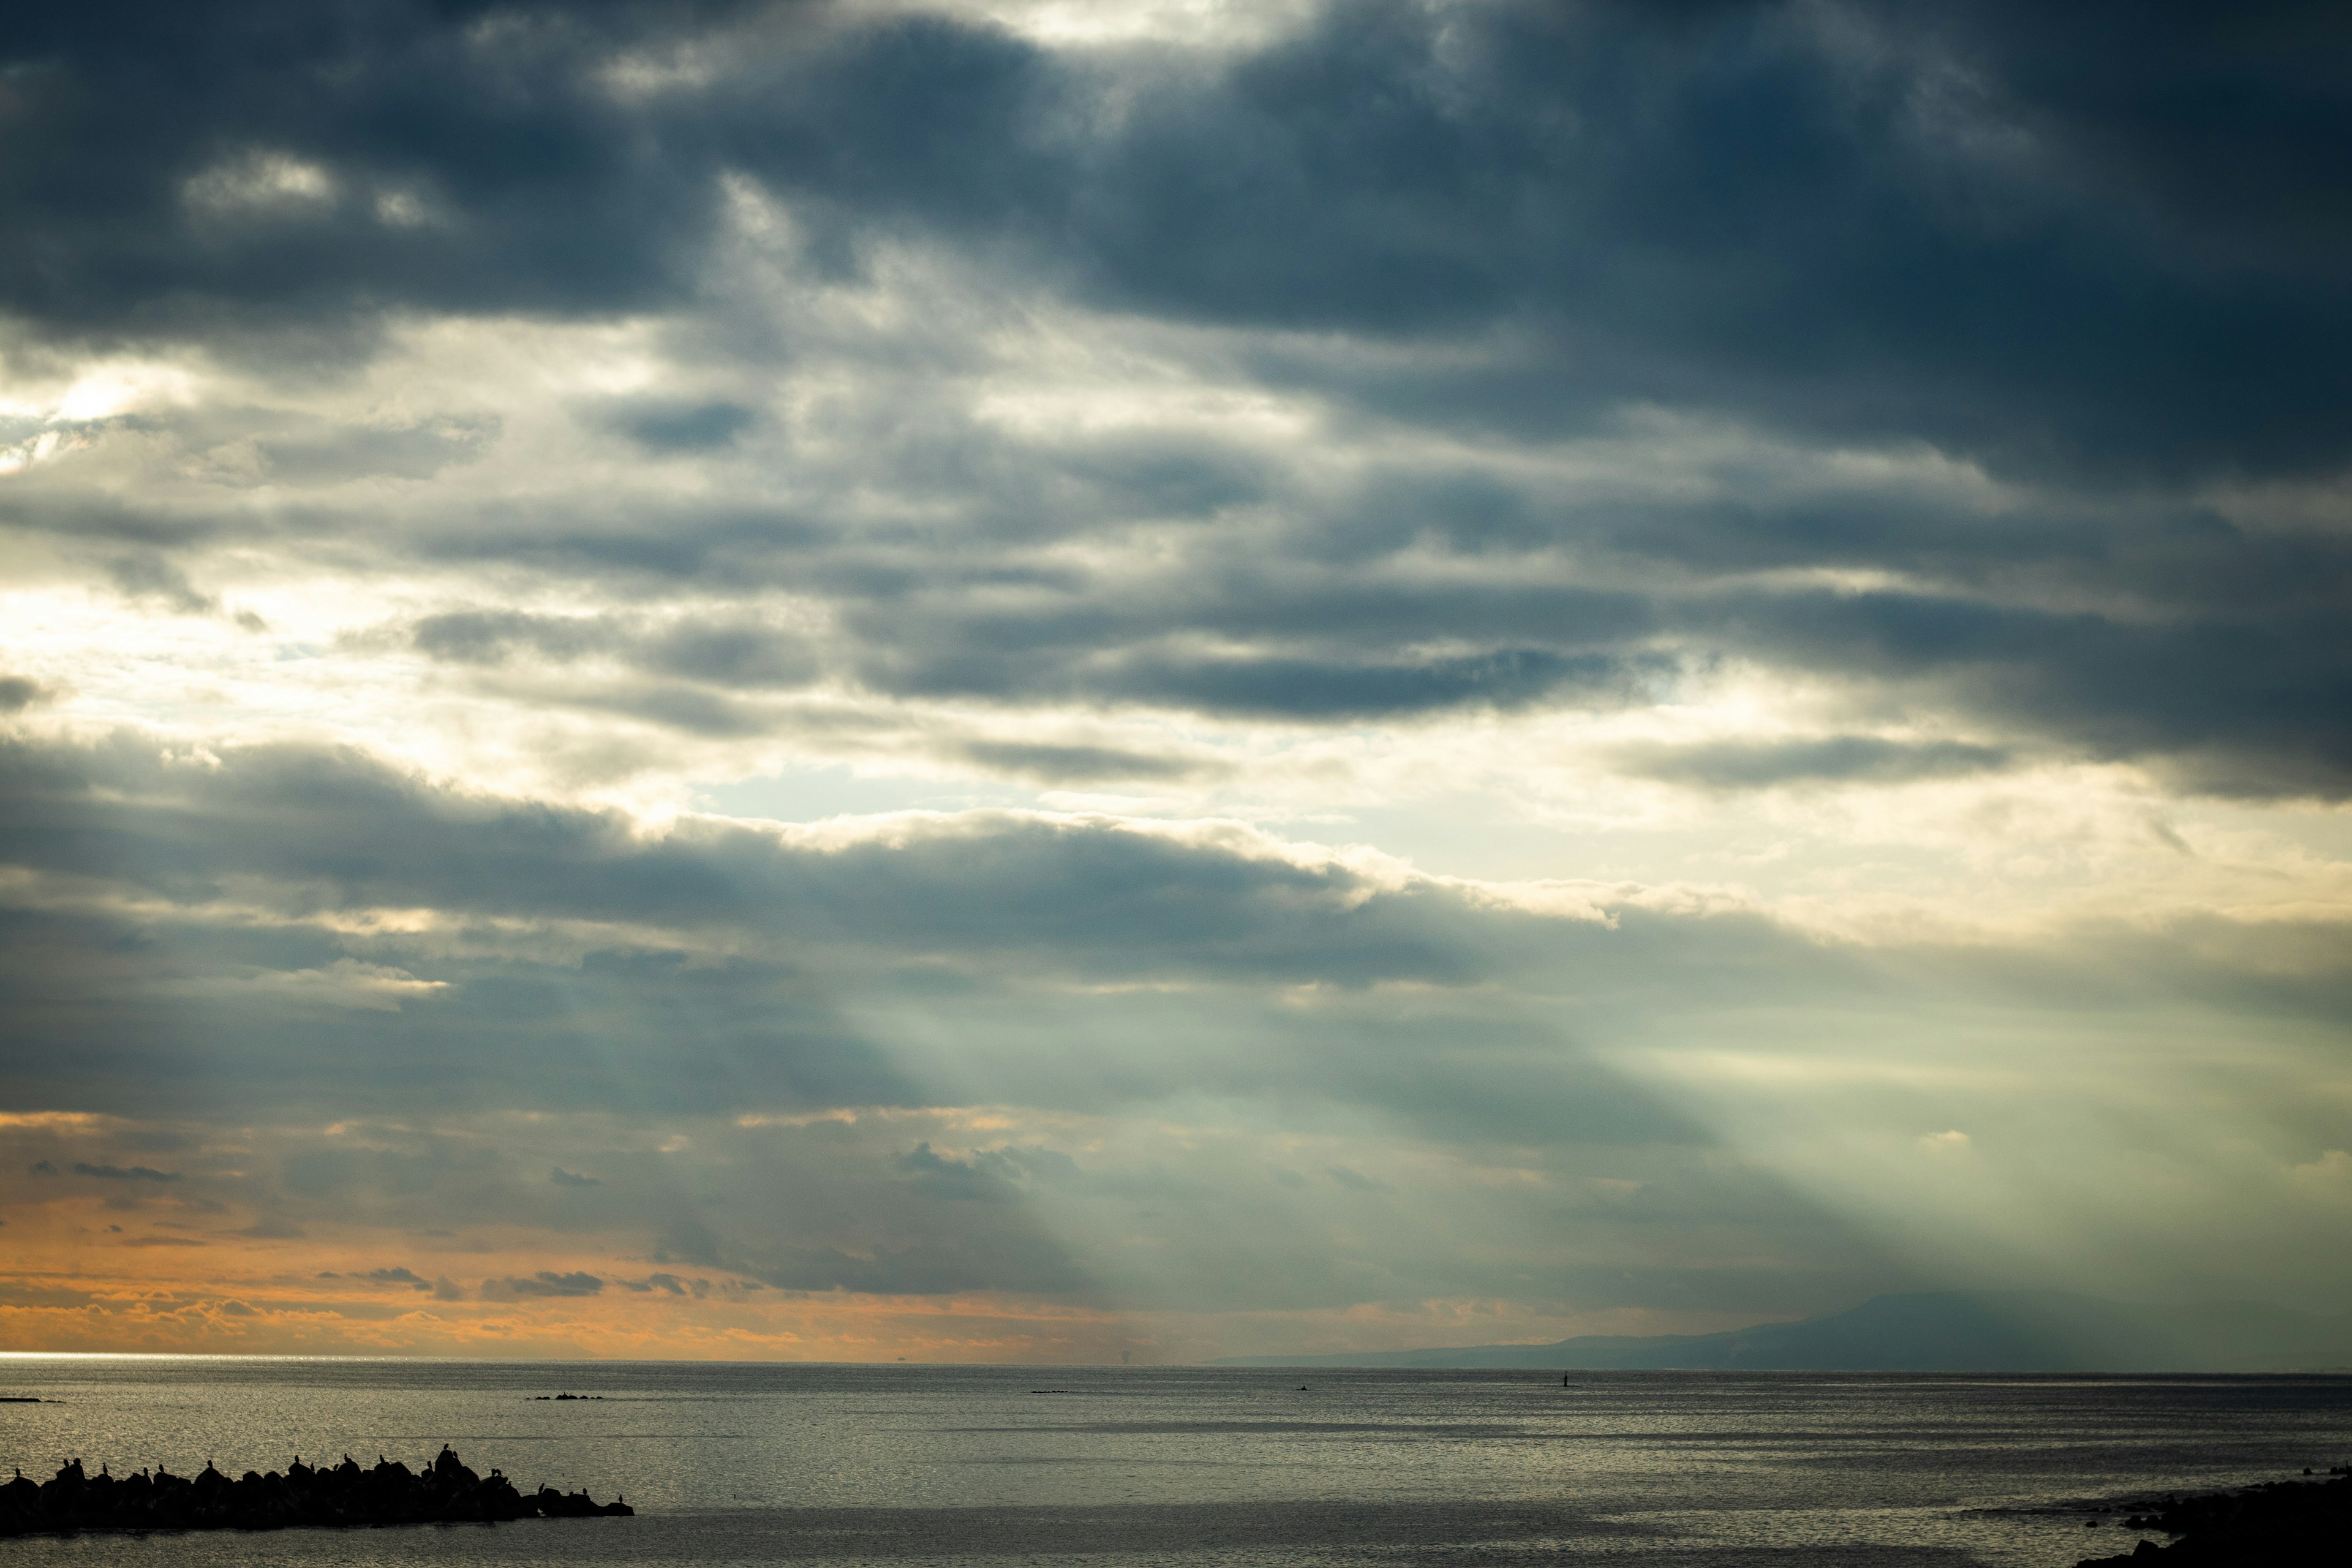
x,y
347,983
262,182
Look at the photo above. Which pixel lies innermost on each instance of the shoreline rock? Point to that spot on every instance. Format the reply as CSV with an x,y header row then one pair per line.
x,y
387,1492
2278,1524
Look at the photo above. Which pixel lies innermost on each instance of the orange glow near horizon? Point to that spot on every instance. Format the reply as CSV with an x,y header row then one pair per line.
x,y
275,1315
84,1280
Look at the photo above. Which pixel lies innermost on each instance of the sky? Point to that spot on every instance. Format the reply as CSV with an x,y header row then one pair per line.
x,y
1052,681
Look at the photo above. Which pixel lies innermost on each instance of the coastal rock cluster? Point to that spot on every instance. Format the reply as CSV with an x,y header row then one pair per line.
x,y
387,1492
2279,1524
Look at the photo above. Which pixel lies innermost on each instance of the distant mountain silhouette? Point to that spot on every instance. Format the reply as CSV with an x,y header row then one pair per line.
x,y
1944,1330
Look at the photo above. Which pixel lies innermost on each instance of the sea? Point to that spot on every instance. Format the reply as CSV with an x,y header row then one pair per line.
x,y
904,1465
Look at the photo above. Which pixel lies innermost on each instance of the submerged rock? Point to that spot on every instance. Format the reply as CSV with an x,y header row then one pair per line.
x,y
2280,1524
387,1492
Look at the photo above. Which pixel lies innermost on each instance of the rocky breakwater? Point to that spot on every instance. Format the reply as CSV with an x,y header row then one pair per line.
x,y
387,1492
2281,1525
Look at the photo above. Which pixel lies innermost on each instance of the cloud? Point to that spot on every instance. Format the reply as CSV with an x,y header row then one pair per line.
x,y
479,636
1071,765
688,1240
1441,247
2188,641
683,427
1102,893
1838,759
331,200
456,457
148,575
945,1267
121,1173
416,451
732,653
545,1283
395,1277
952,1179
1895,255
702,936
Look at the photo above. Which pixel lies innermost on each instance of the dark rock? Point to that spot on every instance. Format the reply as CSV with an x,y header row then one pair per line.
x,y
2280,1524
387,1493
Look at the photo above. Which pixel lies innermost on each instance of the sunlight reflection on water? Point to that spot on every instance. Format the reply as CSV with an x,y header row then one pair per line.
x,y
734,1463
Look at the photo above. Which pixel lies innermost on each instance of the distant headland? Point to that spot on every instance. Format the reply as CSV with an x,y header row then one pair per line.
x,y
386,1492
1949,1330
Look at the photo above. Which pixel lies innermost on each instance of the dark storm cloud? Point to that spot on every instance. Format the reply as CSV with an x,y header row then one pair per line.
x,y
193,1012
2108,237
2214,648
17,693
618,1027
1881,220
729,965
150,1011
1321,690
2231,700
1872,219
1328,644
338,830
1111,649
467,161
2101,250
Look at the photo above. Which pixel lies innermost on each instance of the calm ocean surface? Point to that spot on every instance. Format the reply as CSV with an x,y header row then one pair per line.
x,y
911,1464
